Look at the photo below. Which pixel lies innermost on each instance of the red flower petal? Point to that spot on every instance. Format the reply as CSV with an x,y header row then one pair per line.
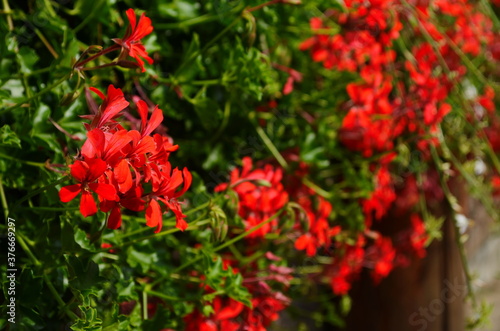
x,y
154,121
99,93
123,176
146,145
115,103
131,18
117,143
288,88
68,193
143,110
97,143
181,224
97,167
232,310
87,204
79,170
115,218
153,215
134,204
106,191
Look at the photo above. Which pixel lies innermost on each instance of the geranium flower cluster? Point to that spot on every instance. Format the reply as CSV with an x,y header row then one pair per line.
x,y
261,194
232,315
382,197
115,163
378,253
382,106
371,250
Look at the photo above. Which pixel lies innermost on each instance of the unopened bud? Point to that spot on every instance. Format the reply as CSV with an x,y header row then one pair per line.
x,y
93,49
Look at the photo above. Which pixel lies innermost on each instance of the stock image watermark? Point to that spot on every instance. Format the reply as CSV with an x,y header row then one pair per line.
x,y
11,270
450,293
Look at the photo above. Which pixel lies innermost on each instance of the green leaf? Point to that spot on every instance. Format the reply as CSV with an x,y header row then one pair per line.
x,y
208,111
27,59
83,273
9,137
83,241
162,319
31,288
89,320
144,260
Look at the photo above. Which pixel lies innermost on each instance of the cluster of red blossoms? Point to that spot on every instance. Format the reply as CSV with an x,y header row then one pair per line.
x,y
398,93
232,315
492,132
371,250
376,252
379,109
261,194
115,163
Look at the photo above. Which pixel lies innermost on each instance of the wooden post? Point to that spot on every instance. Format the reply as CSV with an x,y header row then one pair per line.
x,y
428,295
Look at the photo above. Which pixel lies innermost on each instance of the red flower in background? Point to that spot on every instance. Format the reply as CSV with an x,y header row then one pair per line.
x,y
381,198
230,314
319,232
131,42
380,258
257,200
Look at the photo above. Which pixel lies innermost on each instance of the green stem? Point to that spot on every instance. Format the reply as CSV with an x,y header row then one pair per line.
x,y
192,226
251,258
269,144
232,241
452,201
53,208
8,11
487,6
99,66
26,197
316,188
4,200
37,263
163,296
31,163
204,82
236,253
225,120
307,29
144,305
27,250
421,196
46,43
187,213
95,9
36,95
48,5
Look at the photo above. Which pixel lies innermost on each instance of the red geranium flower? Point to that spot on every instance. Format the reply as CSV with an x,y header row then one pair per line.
x,y
131,43
87,172
110,108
